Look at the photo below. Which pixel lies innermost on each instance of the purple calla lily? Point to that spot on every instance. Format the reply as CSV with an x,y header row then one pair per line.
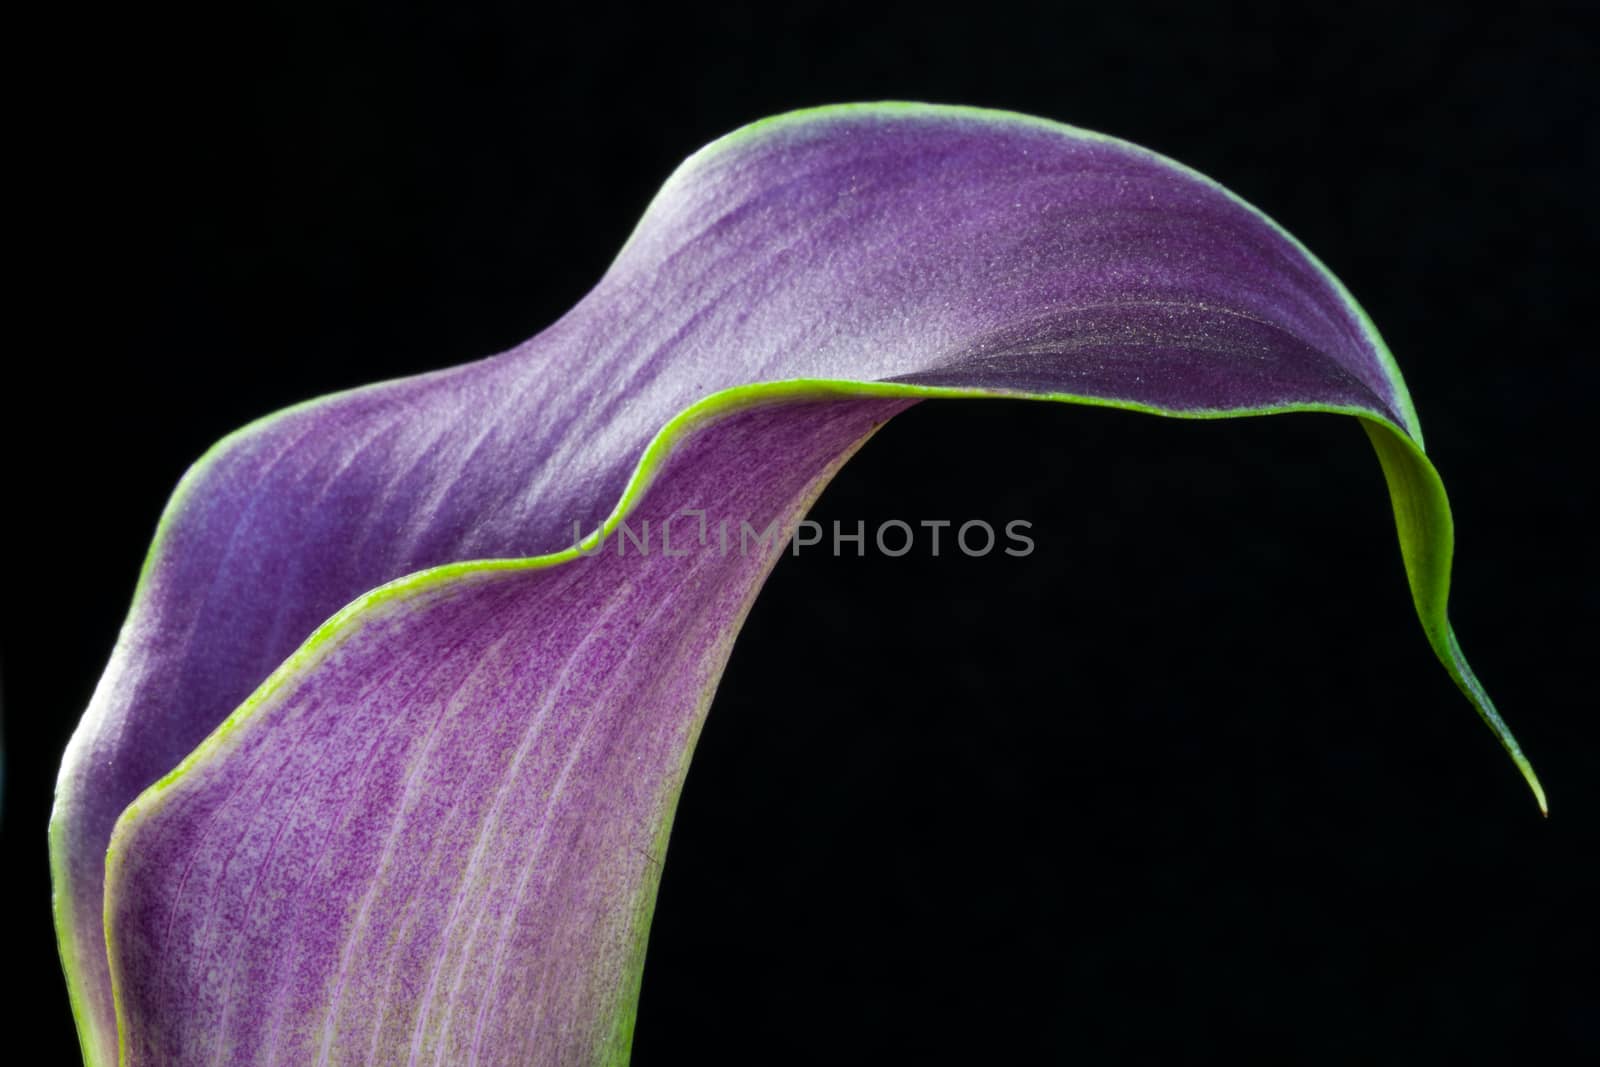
x,y
431,830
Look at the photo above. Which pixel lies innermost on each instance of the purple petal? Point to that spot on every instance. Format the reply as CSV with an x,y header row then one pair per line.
x,y
436,837
434,831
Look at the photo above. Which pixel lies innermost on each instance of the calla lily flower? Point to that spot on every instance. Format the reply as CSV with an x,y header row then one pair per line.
x,y
385,760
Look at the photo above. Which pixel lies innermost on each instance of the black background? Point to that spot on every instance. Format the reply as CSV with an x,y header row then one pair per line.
x,y
1184,785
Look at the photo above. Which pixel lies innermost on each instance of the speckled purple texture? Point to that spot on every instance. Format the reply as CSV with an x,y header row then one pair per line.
x,y
438,845
924,246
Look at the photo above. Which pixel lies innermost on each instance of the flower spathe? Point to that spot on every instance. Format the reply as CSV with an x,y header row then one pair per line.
x,y
385,765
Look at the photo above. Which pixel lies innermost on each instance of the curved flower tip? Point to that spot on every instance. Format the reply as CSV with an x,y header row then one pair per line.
x,y
386,763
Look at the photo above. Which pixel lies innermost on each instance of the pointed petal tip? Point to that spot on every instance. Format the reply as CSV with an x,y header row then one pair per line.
x,y
1532,779
1514,750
